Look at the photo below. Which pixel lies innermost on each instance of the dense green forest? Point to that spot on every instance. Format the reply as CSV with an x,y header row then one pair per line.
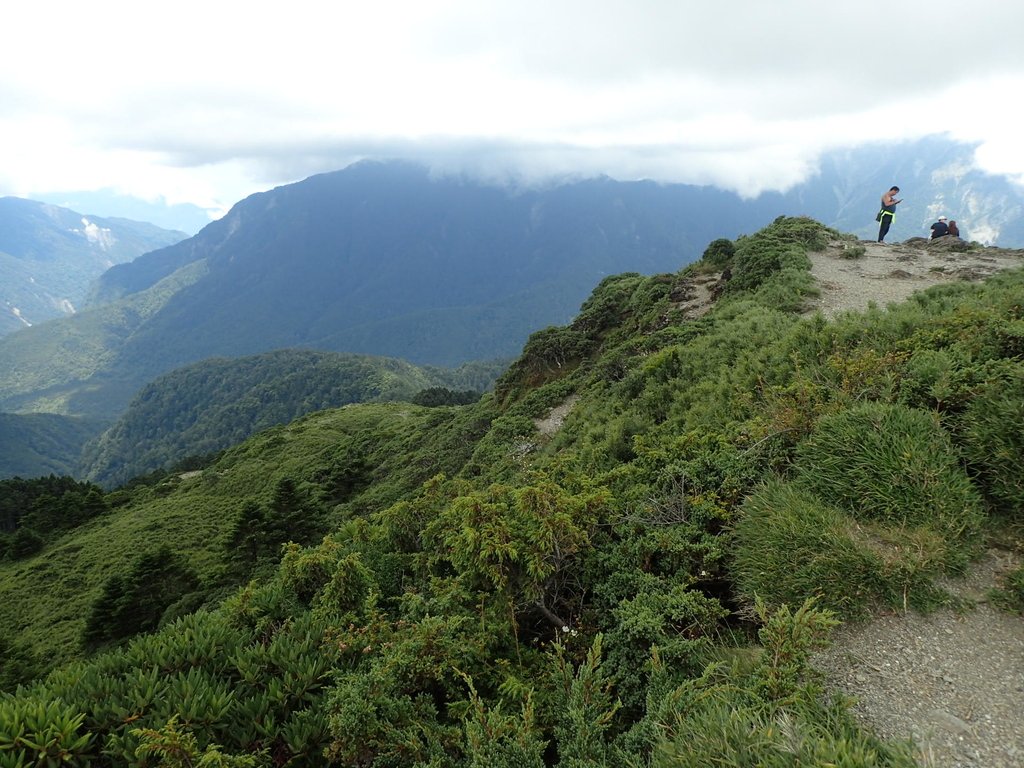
x,y
400,585
45,507
37,444
201,409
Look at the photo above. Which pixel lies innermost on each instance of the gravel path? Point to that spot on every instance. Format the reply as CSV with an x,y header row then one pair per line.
x,y
952,681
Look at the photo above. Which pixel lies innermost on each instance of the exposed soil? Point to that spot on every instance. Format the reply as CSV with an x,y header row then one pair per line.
x,y
694,296
553,421
886,274
951,681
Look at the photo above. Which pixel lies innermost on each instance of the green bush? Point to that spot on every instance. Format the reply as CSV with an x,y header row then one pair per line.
x,y
585,707
41,733
18,663
433,397
1011,594
719,253
395,708
993,440
726,729
770,717
175,747
136,601
788,546
892,464
935,379
496,740
679,622
782,244
25,542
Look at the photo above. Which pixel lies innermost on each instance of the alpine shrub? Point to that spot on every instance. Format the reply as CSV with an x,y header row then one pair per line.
x,y
771,718
1010,596
719,253
993,440
788,546
892,464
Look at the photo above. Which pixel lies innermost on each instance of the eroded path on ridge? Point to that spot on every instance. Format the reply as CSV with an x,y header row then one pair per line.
x,y
952,681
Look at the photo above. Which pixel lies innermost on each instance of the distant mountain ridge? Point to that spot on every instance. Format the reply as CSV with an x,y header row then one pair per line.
x,y
936,176
110,204
49,257
381,258
385,258
357,260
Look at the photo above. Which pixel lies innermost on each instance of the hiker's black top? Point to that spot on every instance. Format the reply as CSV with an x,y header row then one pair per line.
x,y
939,229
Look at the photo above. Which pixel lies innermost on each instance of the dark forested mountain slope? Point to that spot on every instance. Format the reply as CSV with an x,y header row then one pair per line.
x,y
214,404
38,444
385,259
377,259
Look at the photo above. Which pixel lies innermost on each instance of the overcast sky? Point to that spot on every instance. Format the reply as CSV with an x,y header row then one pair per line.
x,y
207,102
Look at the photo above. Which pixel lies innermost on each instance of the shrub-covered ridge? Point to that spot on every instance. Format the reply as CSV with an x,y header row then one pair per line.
x,y
641,588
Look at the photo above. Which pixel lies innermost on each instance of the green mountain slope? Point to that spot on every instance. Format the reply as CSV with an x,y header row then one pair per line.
x,y
381,259
194,512
62,366
624,555
212,405
37,444
50,257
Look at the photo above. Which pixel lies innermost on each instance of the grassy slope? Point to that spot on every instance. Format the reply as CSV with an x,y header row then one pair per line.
x,y
48,367
44,599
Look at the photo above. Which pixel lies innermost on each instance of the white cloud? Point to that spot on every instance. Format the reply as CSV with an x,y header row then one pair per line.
x,y
205,102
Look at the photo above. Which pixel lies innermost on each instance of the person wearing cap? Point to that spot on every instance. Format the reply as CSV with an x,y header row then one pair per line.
x,y
888,212
940,228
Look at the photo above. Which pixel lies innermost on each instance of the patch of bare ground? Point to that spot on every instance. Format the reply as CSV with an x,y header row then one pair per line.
x,y
551,423
886,274
695,295
951,681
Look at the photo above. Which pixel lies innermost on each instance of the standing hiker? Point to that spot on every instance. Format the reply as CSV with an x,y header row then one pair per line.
x,y
888,212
